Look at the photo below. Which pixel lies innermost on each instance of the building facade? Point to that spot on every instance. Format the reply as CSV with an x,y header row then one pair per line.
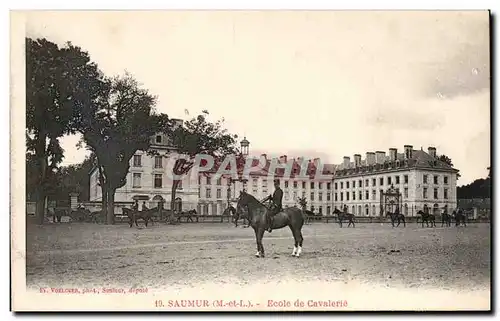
x,y
424,182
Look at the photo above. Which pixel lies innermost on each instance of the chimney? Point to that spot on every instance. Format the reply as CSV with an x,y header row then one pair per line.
x,y
380,157
370,158
393,152
347,161
408,151
357,160
432,151
283,159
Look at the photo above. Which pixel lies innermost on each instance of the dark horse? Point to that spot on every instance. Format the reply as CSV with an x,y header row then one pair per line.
x,y
396,217
134,215
344,217
257,215
445,219
459,218
188,215
426,217
238,215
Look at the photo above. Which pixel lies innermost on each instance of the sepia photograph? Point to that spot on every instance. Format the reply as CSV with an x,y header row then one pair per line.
x,y
251,160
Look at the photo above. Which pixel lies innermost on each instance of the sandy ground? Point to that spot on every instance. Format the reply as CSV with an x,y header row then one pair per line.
x,y
443,267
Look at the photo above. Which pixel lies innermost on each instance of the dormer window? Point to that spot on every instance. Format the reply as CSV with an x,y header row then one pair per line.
x,y
158,139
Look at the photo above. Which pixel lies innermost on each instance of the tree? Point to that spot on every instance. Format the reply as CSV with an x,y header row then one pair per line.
x,y
115,127
199,136
74,179
445,159
55,77
302,202
479,188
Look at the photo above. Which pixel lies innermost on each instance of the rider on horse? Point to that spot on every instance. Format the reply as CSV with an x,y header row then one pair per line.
x,y
276,204
344,209
135,206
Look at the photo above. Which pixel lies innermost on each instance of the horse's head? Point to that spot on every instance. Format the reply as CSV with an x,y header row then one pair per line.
x,y
420,212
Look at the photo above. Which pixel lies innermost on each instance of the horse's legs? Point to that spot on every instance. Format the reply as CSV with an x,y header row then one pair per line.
x,y
146,221
130,221
260,234
295,238
353,225
300,239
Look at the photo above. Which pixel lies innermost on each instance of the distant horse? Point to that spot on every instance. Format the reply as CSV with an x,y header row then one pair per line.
x,y
134,215
459,218
344,217
396,217
445,219
292,217
237,216
426,217
308,214
187,214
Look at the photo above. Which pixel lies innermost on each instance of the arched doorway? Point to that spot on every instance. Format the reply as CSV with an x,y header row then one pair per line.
x,y
426,208
435,209
367,210
353,210
160,201
178,205
374,210
360,211
406,210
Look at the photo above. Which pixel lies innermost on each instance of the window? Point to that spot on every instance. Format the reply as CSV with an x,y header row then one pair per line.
x,y
254,182
389,180
425,179
360,183
353,184
264,183
312,185
320,196
208,192
303,185
346,184
264,191
406,179
436,179
158,139
397,180
328,196
347,196
320,185
336,186
219,181
406,192
286,184
136,180
336,198
219,193
425,192
158,180
353,195
294,195
341,185
445,193
205,209
360,195
374,182
341,196
214,209
209,180
381,183
254,191
320,210
367,195
445,180
137,161
328,186
435,193
374,194
158,163
328,210
303,194
312,196
367,183
294,184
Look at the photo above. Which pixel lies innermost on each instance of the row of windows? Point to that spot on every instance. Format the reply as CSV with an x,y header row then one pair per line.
x,y
390,181
435,179
157,181
436,193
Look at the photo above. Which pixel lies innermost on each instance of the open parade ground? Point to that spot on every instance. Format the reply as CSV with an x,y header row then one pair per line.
x,y
216,256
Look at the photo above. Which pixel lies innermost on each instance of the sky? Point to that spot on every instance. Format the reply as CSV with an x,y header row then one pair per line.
x,y
322,84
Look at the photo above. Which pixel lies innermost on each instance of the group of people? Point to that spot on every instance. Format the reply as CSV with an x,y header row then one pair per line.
x,y
135,206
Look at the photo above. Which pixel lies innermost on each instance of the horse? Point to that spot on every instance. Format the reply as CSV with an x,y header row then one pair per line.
x,y
396,217
426,217
459,218
445,219
308,214
188,215
134,215
237,215
344,216
293,217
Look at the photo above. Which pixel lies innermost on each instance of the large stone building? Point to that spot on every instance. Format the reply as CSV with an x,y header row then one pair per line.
x,y
421,179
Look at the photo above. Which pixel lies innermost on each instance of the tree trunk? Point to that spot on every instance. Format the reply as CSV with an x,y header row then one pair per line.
x,y
110,215
171,218
40,205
